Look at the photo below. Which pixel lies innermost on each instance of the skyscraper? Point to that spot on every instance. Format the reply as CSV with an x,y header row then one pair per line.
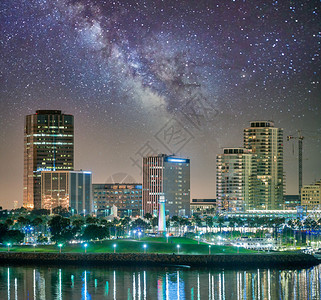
x,y
169,176
48,146
266,142
236,173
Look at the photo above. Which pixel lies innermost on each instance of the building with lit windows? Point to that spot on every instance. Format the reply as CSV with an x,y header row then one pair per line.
x,y
67,189
311,196
48,146
236,179
203,206
292,201
266,142
127,197
166,175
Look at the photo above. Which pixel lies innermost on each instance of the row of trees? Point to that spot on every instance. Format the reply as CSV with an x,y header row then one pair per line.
x,y
63,227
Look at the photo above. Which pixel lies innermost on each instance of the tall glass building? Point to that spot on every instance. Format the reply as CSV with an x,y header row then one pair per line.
x,y
236,173
48,146
169,176
266,142
67,189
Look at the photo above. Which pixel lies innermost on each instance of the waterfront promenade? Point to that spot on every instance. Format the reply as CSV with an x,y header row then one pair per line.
x,y
252,260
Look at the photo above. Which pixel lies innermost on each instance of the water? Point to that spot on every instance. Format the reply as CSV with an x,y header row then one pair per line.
x,y
157,283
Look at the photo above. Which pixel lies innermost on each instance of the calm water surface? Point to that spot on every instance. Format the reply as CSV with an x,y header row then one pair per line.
x,y
157,283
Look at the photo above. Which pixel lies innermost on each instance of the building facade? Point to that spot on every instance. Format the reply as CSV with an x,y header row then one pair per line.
x,y
48,145
311,196
169,176
67,189
292,201
127,197
203,206
236,179
266,142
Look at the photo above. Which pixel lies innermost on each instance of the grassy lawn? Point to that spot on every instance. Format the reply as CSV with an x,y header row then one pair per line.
x,y
154,245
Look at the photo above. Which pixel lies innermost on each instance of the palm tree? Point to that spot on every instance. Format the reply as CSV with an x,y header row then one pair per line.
x,y
220,221
148,216
231,224
124,223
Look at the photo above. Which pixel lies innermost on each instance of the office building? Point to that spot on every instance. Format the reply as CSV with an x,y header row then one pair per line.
x,y
48,145
67,189
266,142
311,196
127,197
169,176
291,201
236,178
203,206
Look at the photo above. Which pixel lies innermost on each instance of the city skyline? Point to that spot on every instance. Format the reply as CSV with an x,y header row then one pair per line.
x,y
129,73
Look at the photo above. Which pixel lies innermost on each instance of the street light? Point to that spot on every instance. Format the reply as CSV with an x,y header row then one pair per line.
x,y
167,235
8,244
178,246
145,246
85,245
114,248
209,249
34,247
60,245
139,234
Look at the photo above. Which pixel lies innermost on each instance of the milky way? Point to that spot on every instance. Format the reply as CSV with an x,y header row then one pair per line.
x,y
130,70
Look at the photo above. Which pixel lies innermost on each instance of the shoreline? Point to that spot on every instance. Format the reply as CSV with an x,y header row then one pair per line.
x,y
153,259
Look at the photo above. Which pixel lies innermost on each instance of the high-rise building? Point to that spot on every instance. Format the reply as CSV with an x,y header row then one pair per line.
x,y
48,145
236,173
169,176
127,197
266,142
67,189
311,196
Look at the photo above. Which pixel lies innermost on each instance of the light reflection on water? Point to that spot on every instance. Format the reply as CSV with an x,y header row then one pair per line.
x,y
157,283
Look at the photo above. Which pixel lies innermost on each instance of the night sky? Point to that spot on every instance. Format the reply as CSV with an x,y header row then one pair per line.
x,y
140,77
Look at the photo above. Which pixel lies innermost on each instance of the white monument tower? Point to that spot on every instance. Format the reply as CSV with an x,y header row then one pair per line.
x,y
161,216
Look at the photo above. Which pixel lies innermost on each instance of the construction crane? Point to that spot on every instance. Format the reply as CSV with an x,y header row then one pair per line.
x,y
300,144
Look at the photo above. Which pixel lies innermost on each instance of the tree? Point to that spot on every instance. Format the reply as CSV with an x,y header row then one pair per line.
x,y
14,237
3,231
42,239
103,222
154,223
148,216
77,225
40,212
60,229
220,221
22,221
124,223
139,224
209,222
95,232
91,220
62,211
9,222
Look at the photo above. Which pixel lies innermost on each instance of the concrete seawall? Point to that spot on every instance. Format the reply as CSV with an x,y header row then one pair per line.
x,y
153,259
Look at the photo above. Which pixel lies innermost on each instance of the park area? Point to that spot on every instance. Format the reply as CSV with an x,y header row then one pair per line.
x,y
177,245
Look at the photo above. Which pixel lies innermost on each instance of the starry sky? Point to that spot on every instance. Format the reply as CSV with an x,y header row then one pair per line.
x,y
143,77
